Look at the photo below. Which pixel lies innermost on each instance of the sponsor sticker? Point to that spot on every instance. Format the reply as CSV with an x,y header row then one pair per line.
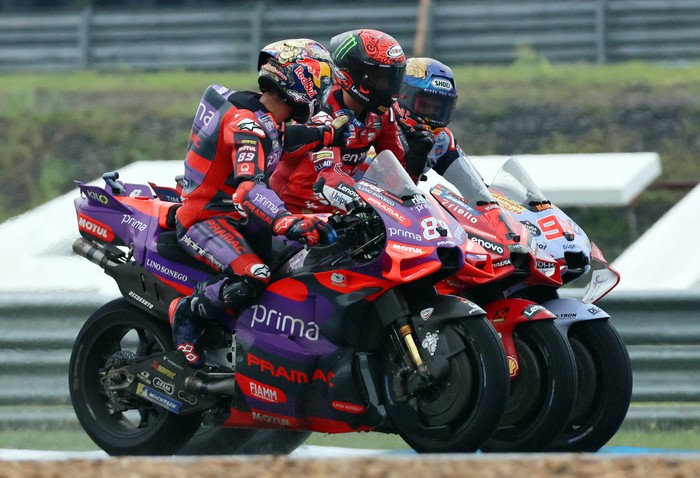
x,y
158,398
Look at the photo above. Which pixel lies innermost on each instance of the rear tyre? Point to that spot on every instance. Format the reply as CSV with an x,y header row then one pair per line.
x,y
605,387
144,428
458,413
542,395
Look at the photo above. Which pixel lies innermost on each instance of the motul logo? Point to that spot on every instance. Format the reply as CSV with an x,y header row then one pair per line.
x,y
404,248
95,228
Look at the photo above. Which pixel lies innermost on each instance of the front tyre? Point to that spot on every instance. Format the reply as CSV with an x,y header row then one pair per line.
x,y
604,387
141,428
541,395
459,412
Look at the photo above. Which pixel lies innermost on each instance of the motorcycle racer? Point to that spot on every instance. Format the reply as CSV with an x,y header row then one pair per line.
x,y
368,68
235,144
428,96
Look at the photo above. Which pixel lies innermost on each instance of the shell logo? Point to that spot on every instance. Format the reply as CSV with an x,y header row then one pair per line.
x,y
512,366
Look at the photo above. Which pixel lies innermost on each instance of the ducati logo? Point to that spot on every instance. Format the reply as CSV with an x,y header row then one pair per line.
x,y
426,313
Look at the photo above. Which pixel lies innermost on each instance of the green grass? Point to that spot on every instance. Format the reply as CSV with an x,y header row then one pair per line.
x,y
79,441
57,127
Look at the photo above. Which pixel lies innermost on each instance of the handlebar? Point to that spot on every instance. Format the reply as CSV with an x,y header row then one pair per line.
x,y
360,235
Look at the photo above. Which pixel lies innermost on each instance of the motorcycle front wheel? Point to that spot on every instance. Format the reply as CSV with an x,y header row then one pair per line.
x,y
542,395
459,412
604,387
120,329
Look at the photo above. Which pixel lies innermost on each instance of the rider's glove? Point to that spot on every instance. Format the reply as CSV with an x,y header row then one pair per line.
x,y
420,142
337,194
336,132
310,230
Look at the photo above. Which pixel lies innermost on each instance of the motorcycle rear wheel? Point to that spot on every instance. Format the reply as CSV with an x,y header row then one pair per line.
x,y
119,326
462,411
605,387
542,395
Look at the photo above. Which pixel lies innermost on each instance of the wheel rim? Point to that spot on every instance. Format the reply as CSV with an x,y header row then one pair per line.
x,y
452,400
134,422
448,402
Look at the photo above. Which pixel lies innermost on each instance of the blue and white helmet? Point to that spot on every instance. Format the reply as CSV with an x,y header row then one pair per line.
x,y
428,92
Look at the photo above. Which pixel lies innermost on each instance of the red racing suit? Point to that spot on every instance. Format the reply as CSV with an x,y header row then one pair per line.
x,y
296,174
234,145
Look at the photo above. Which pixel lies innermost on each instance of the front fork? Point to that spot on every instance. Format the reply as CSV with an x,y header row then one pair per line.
x,y
407,336
418,325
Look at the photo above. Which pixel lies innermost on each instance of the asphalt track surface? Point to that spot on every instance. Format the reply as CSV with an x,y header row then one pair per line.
x,y
317,462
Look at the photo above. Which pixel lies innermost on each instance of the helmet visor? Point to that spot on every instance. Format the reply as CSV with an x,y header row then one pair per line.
x,y
382,82
434,109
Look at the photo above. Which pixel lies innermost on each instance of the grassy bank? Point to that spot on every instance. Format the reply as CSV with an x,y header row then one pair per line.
x,y
55,128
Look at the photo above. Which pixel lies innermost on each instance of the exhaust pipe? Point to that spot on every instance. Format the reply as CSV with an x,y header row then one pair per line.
x,y
94,253
226,386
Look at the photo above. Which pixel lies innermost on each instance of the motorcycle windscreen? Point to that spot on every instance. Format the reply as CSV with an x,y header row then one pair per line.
x,y
463,178
386,172
516,184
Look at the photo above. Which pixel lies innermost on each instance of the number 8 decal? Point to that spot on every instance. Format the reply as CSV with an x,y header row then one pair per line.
x,y
430,228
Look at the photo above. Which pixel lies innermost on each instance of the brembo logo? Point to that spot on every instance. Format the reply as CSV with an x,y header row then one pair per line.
x,y
95,228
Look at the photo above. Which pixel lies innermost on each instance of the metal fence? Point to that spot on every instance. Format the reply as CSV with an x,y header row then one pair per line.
x,y
662,334
464,32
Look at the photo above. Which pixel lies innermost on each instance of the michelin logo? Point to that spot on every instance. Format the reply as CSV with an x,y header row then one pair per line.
x,y
158,398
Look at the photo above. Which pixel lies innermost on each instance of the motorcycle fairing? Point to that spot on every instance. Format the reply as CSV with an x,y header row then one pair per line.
x,y
570,311
165,193
99,197
556,233
145,222
505,315
303,388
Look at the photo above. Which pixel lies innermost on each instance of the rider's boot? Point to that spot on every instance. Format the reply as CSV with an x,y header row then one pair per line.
x,y
188,325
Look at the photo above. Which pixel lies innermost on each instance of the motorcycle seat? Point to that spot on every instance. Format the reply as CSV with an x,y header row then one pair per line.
x,y
169,247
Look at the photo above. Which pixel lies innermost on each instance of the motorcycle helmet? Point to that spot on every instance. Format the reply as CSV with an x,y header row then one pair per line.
x,y
299,69
369,65
428,92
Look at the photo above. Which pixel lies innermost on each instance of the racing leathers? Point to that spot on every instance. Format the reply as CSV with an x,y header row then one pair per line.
x,y
445,151
234,145
301,167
